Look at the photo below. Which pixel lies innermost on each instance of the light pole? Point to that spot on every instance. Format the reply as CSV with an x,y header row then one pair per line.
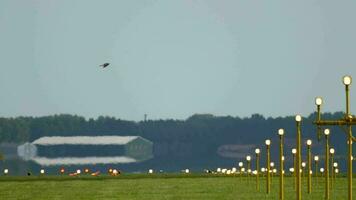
x,y
248,159
316,160
309,143
272,168
333,177
327,194
294,151
257,151
268,143
298,120
281,162
332,151
347,121
241,164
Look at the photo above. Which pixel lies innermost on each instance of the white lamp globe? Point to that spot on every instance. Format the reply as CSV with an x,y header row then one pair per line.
x,y
280,131
248,158
298,118
241,164
316,158
332,150
257,151
327,131
294,151
309,142
347,80
318,101
268,142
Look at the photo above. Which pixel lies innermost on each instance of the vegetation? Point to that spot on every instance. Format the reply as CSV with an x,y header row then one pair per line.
x,y
156,187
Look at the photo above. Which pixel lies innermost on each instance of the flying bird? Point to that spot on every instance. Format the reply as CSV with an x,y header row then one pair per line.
x,y
104,65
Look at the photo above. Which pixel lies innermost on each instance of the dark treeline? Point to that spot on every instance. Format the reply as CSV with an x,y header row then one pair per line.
x,y
196,140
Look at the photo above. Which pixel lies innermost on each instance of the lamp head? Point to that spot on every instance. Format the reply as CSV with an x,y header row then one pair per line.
x,y
298,118
347,80
335,164
327,132
241,164
268,142
272,164
281,131
294,151
257,151
309,142
318,101
248,158
316,158
332,150
303,164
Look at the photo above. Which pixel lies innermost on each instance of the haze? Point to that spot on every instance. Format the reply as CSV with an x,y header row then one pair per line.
x,y
171,59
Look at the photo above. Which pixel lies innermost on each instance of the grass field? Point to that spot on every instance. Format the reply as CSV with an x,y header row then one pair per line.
x,y
156,187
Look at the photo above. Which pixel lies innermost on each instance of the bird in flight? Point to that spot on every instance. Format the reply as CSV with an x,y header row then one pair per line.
x,y
104,65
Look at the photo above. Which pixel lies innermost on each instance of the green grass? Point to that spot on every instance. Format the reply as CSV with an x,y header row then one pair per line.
x,y
156,187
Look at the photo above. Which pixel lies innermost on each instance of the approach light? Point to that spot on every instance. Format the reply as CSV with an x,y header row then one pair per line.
x,y
257,151
318,101
316,158
281,131
332,150
268,142
327,132
347,80
298,118
303,164
309,142
294,151
248,158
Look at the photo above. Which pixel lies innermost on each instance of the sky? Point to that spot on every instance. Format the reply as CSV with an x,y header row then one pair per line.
x,y
172,59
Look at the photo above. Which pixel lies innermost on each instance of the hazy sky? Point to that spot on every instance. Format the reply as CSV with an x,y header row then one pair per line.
x,y
171,59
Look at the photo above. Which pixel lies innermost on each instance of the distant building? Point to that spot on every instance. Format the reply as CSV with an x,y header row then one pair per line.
x,y
58,150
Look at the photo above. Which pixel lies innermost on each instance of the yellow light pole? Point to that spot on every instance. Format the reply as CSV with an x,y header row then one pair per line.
x,y
257,151
298,120
281,162
327,193
248,159
333,177
268,185
316,160
272,168
241,164
332,151
303,169
309,143
347,121
294,151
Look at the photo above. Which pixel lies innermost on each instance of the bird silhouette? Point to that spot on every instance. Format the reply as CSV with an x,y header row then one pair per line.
x,y
104,65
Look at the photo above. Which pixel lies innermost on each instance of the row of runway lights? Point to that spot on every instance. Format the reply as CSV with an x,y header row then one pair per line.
x,y
112,172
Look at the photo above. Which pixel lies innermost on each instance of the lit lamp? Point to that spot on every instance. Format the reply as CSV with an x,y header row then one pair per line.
x,y
257,151
6,171
294,152
318,103
298,120
309,143
248,159
268,185
332,152
334,171
327,193
303,168
42,171
281,162
272,168
241,164
316,160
